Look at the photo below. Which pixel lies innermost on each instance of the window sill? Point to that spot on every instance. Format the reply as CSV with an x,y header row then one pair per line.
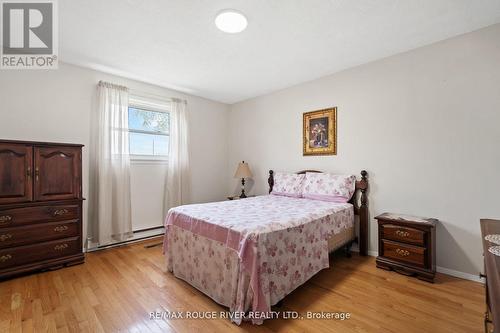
x,y
148,161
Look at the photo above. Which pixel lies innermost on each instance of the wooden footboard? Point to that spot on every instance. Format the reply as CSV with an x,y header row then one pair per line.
x,y
360,202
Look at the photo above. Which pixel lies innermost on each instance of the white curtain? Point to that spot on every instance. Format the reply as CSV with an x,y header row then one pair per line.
x,y
177,180
111,205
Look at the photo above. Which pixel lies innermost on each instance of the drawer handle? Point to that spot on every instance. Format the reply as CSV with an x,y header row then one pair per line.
x,y
61,228
5,258
402,233
402,253
4,237
487,317
61,247
5,219
59,212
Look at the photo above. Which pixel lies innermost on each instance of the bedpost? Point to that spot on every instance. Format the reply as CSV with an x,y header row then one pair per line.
x,y
270,180
363,215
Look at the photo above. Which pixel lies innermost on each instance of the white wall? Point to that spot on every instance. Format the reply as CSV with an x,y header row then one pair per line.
x,y
56,106
424,124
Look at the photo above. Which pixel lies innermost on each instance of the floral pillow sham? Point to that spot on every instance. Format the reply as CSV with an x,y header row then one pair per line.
x,y
329,187
288,184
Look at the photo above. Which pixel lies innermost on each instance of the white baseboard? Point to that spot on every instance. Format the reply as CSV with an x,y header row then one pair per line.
x,y
462,275
442,270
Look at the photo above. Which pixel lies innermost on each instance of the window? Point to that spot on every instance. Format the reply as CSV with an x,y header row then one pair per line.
x,y
148,133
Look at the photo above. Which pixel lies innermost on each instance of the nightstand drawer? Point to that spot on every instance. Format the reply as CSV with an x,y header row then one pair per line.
x,y
414,255
403,234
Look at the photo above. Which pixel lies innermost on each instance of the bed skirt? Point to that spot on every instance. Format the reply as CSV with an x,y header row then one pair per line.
x,y
215,270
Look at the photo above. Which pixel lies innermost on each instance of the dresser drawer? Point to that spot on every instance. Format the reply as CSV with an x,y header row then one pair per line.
x,y
39,252
404,253
403,234
10,237
36,214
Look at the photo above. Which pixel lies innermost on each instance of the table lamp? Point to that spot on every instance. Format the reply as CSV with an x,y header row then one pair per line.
x,y
243,172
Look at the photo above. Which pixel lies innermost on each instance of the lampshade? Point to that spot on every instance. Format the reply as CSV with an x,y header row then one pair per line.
x,y
243,171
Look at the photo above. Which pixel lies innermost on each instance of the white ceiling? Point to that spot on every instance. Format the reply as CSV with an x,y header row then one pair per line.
x,y
175,43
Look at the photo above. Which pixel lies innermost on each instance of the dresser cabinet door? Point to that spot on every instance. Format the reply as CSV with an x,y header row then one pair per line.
x,y
57,171
15,173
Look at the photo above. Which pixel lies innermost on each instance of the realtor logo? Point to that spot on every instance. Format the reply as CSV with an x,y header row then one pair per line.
x,y
29,34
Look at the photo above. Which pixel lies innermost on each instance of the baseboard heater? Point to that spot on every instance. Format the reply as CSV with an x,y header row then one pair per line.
x,y
131,241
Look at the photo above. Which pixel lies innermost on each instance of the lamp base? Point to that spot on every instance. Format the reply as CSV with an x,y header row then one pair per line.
x,y
243,195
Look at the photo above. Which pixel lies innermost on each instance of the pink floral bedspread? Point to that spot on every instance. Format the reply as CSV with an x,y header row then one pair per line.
x,y
280,243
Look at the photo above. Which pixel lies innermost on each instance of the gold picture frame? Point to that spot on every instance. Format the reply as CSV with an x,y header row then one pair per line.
x,y
320,132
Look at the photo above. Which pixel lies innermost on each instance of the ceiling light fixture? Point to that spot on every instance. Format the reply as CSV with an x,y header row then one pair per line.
x,y
231,21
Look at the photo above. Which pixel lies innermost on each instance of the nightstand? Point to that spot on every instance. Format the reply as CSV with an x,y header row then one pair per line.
x,y
407,245
237,197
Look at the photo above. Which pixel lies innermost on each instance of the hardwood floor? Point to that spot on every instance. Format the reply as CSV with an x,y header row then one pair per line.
x,y
116,289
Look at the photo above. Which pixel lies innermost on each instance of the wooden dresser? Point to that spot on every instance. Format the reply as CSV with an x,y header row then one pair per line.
x,y
492,276
407,244
40,206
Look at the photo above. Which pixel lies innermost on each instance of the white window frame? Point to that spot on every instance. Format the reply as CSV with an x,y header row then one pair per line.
x,y
148,104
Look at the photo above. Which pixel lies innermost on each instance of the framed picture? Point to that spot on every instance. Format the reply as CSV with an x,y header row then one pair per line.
x,y
320,132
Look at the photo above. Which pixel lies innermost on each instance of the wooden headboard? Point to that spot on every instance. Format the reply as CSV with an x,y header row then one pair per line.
x,y
360,203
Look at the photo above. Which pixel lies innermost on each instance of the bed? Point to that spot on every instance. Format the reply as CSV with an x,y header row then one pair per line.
x,y
249,254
